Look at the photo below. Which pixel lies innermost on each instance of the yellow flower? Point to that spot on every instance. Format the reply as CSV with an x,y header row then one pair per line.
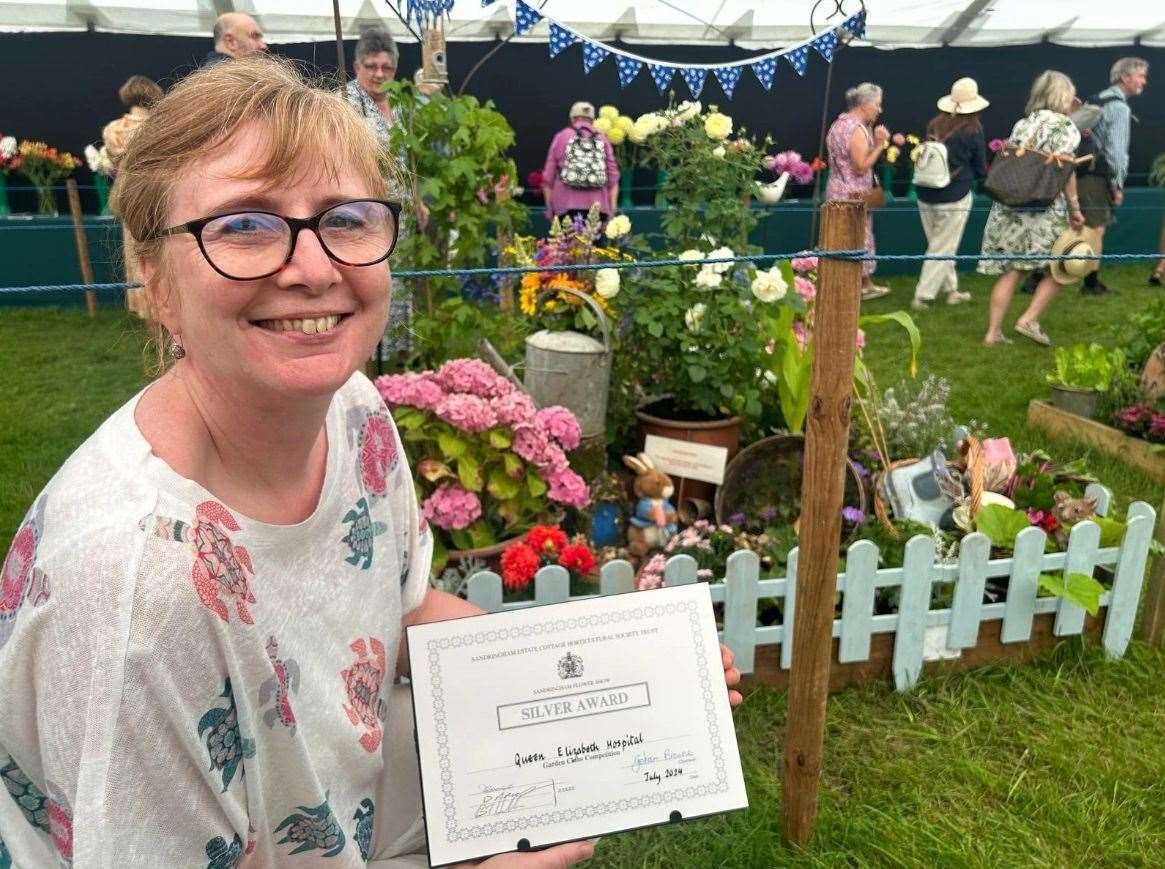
x,y
608,112
718,126
603,125
914,153
892,154
913,139
616,135
528,299
624,123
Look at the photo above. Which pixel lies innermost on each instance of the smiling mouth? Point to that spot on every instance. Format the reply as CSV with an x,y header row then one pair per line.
x,y
310,326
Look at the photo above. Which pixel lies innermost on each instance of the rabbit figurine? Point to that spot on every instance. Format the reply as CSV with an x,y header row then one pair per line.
x,y
654,520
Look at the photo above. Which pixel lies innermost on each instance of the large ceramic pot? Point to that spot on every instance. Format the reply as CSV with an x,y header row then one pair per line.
x,y
661,418
770,471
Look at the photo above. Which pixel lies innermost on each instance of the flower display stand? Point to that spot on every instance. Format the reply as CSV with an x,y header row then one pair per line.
x,y
1061,423
868,646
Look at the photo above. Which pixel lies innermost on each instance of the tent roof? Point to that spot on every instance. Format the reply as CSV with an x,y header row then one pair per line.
x,y
752,25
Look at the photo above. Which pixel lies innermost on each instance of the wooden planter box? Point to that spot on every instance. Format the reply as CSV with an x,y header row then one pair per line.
x,y
1059,423
870,646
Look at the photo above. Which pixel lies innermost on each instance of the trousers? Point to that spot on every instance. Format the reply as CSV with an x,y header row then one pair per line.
x,y
943,224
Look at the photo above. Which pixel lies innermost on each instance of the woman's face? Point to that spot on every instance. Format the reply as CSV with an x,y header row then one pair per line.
x,y
871,110
374,70
276,336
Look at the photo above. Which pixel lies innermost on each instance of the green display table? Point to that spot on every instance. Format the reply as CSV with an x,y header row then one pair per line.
x,y
40,250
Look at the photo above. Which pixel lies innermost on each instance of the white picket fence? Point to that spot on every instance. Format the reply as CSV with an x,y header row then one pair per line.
x,y
915,625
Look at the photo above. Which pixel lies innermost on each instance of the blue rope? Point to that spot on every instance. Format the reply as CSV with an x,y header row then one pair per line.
x,y
846,255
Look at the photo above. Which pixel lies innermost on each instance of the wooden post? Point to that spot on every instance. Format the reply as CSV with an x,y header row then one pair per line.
x,y
822,490
82,246
1153,620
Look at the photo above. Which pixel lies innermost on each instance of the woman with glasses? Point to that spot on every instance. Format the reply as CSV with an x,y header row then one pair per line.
x,y
201,616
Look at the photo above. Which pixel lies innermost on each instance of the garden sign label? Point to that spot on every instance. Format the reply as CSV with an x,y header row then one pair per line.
x,y
691,461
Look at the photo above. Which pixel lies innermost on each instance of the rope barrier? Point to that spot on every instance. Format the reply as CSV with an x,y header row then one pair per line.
x,y
848,255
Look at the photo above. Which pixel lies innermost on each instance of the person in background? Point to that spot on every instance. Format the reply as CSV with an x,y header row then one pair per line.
x,y
1102,183
236,34
944,210
578,152
138,95
375,65
855,145
1032,231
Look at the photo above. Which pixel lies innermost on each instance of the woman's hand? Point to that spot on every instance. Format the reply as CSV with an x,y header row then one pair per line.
x,y
731,675
1076,218
881,134
558,857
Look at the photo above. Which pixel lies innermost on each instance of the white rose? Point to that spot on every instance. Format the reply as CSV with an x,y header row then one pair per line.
x,y
708,279
721,253
8,146
607,283
688,109
769,286
719,151
694,316
91,157
690,255
618,226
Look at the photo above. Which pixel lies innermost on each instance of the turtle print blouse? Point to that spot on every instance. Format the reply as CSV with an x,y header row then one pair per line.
x,y
184,686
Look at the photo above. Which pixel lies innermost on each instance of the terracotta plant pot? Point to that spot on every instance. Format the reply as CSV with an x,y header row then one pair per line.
x,y
658,418
491,555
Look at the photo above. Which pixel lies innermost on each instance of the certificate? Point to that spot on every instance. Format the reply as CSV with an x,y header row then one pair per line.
x,y
569,721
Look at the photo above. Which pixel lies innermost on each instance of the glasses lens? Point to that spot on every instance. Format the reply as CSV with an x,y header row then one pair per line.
x,y
359,233
246,245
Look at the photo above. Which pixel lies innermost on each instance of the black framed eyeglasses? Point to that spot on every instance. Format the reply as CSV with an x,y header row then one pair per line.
x,y
249,245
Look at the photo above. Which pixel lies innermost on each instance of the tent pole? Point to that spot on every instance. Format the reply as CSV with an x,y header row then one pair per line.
x,y
821,153
341,64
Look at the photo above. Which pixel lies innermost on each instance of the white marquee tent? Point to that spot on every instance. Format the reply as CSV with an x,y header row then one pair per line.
x,y
752,24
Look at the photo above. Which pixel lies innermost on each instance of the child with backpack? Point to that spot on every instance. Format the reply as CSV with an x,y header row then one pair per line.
x,y
580,168
948,163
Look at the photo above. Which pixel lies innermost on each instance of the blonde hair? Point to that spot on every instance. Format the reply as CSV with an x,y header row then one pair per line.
x,y
1051,90
305,125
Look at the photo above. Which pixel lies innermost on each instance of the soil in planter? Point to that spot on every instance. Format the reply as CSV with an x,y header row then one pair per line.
x,y
666,408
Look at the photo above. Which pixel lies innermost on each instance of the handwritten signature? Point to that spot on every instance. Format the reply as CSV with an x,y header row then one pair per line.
x,y
671,757
501,801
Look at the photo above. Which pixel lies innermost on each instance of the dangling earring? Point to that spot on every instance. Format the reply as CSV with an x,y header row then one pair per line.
x,y
177,351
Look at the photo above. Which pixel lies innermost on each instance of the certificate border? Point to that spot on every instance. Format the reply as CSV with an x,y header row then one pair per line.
x,y
454,832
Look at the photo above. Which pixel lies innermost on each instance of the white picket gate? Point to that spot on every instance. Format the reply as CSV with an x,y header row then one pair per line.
x,y
915,623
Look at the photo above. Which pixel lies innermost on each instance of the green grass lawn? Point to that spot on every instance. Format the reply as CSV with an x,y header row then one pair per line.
x,y
1059,763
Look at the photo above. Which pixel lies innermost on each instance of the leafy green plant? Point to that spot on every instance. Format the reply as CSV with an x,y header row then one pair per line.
x,y
1080,589
1157,171
1139,333
1086,367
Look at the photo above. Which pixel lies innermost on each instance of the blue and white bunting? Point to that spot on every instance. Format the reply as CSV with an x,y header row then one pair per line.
x,y
728,76
661,74
525,18
765,70
826,45
857,24
798,59
694,79
560,39
628,68
593,55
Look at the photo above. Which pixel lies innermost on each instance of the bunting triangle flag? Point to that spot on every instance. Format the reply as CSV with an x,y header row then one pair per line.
x,y
826,45
798,59
694,78
560,39
765,70
628,68
524,18
593,55
728,76
661,75
857,24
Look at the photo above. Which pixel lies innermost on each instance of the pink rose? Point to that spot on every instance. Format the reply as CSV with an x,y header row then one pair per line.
x,y
803,264
805,288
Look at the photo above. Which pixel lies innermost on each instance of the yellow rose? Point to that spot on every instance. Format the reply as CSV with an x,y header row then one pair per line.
x,y
892,154
608,112
603,125
616,135
718,126
624,123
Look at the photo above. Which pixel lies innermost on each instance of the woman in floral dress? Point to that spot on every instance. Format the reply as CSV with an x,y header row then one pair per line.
x,y
1032,231
854,147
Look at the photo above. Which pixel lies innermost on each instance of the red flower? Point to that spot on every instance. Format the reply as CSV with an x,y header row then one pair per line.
x,y
578,558
547,539
1045,519
519,564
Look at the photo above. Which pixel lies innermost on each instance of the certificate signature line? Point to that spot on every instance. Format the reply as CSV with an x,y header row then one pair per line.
x,y
491,769
665,738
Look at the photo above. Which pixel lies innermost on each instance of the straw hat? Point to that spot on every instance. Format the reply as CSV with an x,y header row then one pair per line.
x,y
1075,242
582,110
963,99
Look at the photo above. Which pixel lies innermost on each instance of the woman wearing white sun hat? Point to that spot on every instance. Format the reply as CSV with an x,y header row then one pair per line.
x,y
944,209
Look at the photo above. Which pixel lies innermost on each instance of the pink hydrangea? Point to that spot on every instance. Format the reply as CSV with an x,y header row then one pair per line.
x,y
452,507
412,390
804,264
474,377
531,442
466,412
805,288
513,408
861,340
560,424
567,487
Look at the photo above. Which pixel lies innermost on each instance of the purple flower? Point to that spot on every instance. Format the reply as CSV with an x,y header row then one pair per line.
x,y
561,425
452,507
737,519
768,514
853,515
466,412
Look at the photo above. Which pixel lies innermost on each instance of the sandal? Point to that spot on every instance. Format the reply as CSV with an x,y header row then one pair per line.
x,y
1034,332
954,297
874,292
995,342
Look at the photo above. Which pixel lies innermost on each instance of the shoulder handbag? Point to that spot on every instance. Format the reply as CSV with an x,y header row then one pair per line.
x,y
1021,176
875,197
